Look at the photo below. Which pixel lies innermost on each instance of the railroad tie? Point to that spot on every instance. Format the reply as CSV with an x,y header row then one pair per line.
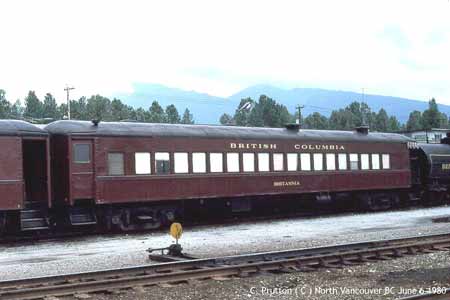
x,y
82,296
324,264
304,268
379,256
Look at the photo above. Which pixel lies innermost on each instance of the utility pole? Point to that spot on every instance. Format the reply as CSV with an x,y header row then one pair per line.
x,y
299,107
363,111
67,89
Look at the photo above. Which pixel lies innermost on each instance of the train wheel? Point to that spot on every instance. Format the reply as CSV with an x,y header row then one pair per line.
x,y
434,198
2,223
378,202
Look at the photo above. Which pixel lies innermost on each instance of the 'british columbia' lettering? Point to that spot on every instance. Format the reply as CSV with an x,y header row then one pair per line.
x,y
318,147
252,146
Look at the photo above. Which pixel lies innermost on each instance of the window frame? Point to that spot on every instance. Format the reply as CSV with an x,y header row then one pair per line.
x,y
378,161
263,154
350,161
229,154
74,146
156,166
365,161
346,167
310,165
203,171
149,163
221,162
245,154
175,154
296,156
389,161
321,161
123,163
275,169
327,155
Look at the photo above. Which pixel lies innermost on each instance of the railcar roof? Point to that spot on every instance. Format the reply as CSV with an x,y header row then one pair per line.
x,y
20,128
435,149
87,128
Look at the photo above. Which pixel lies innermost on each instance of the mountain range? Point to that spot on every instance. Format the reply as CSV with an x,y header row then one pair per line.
x,y
207,109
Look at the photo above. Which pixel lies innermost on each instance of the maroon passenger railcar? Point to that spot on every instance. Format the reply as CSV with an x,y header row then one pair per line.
x,y
24,176
136,175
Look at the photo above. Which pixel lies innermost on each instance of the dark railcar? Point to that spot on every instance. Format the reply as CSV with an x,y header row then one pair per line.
x,y
430,165
131,173
24,176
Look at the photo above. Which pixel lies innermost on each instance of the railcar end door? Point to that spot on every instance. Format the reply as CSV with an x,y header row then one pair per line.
x,y
82,169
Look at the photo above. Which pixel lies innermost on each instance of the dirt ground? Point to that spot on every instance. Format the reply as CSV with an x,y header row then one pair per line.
x,y
380,280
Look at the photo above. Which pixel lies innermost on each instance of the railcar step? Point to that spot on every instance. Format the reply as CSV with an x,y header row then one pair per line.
x,y
34,219
80,216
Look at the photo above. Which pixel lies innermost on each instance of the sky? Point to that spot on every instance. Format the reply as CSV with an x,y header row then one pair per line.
x,y
397,48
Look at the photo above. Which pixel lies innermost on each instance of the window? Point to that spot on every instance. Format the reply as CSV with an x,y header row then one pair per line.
x,y
292,161
354,161
142,163
318,161
82,153
375,161
216,162
115,164
365,162
249,162
199,162
386,161
162,163
233,162
331,161
278,162
263,162
342,160
305,161
181,164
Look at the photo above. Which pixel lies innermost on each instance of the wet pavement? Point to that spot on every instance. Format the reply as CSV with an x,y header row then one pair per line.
x,y
112,251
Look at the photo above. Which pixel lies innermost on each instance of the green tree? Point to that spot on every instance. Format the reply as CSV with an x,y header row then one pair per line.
x,y
226,119
78,109
431,117
243,111
33,106
172,115
50,108
393,124
414,121
5,106
381,121
17,110
120,111
99,108
188,118
156,113
140,115
443,122
268,113
316,121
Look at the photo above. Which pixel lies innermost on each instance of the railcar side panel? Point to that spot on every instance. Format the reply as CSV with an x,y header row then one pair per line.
x,y
11,173
130,187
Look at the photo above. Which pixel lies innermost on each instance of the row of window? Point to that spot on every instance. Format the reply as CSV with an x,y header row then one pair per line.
x,y
250,162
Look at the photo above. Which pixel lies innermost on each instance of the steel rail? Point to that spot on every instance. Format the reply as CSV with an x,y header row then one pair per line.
x,y
242,265
429,296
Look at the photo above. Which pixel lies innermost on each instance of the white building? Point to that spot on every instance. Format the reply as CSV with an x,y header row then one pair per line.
x,y
432,136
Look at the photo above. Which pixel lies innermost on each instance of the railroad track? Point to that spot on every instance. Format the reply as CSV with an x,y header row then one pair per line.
x,y
430,296
297,260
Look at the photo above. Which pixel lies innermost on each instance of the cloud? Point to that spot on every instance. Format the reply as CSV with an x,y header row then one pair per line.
x,y
393,48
